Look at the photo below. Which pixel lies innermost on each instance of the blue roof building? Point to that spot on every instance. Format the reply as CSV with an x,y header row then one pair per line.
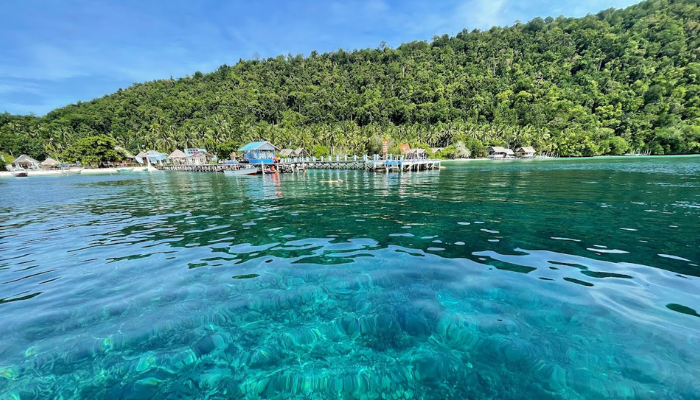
x,y
259,152
152,156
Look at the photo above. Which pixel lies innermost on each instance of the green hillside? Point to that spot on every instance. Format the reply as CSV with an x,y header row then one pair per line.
x,y
617,81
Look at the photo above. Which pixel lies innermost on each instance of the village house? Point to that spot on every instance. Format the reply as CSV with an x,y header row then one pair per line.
x,y
525,152
500,153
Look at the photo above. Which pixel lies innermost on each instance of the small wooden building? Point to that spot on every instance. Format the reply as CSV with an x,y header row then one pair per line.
x,y
259,152
416,154
199,158
525,152
499,153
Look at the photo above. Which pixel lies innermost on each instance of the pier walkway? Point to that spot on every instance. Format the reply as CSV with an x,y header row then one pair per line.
x,y
290,165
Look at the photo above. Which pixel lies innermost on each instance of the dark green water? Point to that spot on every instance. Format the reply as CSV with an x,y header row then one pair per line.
x,y
552,279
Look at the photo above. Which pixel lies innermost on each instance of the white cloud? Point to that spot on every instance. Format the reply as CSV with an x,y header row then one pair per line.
x,y
483,14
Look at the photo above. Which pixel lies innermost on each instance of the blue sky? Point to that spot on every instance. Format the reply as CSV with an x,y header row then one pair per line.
x,y
53,53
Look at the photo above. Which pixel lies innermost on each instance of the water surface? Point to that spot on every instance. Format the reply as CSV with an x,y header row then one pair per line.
x,y
546,279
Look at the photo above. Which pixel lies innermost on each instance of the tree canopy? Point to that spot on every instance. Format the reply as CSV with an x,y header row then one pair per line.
x,y
617,81
93,150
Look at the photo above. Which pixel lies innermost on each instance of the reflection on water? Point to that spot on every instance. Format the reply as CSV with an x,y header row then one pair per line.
x,y
544,279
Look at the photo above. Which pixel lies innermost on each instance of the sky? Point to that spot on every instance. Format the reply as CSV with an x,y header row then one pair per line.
x,y
54,53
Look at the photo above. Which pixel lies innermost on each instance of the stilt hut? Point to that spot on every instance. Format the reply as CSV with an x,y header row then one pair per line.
x,y
416,154
199,158
499,153
525,152
259,153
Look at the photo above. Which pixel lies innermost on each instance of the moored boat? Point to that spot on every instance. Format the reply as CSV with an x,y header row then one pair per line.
x,y
248,170
19,172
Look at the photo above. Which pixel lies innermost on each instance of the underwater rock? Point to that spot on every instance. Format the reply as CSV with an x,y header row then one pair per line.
x,y
145,362
553,377
183,359
116,309
434,368
208,344
381,331
457,331
312,295
289,299
491,324
230,313
350,325
264,356
419,318
182,389
264,301
302,337
520,355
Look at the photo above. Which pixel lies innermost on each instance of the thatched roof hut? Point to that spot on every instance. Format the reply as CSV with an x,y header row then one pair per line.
x,y
50,163
177,154
525,152
301,152
25,161
178,157
287,153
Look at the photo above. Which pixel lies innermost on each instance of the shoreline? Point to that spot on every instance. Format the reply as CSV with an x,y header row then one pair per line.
x,y
630,157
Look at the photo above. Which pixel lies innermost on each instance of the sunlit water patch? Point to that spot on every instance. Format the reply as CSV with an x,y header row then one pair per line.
x,y
545,280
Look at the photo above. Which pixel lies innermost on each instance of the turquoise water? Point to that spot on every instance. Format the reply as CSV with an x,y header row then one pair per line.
x,y
552,279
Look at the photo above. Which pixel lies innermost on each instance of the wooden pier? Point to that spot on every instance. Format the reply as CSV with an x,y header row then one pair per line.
x,y
291,165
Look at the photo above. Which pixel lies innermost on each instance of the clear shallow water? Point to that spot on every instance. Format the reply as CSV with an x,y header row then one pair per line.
x,y
573,279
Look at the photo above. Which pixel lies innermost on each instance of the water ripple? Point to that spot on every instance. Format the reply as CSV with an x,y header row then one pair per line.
x,y
195,285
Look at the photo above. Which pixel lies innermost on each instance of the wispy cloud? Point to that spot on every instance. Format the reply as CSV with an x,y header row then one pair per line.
x,y
483,14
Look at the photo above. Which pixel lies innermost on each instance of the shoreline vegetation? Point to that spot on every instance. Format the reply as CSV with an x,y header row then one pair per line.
x,y
610,83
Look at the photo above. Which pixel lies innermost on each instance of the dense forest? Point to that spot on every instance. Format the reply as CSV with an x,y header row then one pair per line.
x,y
609,83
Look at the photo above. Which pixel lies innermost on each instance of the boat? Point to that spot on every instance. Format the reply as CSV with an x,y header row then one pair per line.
x,y
125,170
248,170
19,172
71,171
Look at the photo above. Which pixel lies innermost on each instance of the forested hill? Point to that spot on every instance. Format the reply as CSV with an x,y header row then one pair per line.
x,y
617,81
